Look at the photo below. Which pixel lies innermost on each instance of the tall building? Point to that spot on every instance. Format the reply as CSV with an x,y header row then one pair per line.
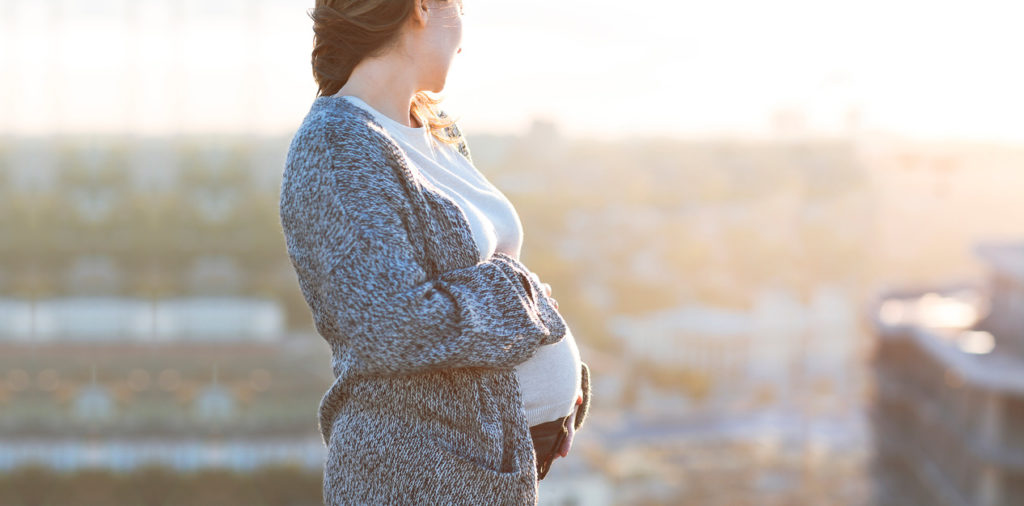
x,y
948,409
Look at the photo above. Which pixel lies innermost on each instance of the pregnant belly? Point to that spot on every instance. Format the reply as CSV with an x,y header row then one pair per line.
x,y
550,380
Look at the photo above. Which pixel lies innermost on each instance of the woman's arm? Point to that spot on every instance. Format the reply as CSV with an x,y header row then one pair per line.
x,y
345,225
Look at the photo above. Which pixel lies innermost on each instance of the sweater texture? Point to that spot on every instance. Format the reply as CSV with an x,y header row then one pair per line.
x,y
425,407
550,379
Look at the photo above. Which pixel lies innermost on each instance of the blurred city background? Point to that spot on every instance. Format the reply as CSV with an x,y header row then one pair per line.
x,y
788,237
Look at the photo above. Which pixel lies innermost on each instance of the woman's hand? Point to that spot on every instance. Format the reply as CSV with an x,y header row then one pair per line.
x,y
569,424
547,288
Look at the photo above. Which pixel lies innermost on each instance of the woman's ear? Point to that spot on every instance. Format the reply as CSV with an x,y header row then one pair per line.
x,y
419,12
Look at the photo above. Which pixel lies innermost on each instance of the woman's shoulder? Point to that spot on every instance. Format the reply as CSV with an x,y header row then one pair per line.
x,y
340,128
338,154
338,139
454,131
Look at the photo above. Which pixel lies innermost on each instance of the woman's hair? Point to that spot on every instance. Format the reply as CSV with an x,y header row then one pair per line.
x,y
346,31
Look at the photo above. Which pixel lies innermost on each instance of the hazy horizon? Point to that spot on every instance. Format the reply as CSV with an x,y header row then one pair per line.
x,y
595,69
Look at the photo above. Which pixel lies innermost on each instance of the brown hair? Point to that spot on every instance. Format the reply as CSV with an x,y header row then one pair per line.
x,y
346,31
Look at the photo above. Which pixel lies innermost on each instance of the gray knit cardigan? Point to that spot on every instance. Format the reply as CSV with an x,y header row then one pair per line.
x,y
426,407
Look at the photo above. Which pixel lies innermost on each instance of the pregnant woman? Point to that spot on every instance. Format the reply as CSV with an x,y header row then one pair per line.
x,y
457,380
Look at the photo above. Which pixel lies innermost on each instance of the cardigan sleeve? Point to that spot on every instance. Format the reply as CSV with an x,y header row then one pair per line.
x,y
583,408
368,287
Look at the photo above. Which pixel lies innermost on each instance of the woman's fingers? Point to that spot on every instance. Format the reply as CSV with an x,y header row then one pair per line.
x,y
545,286
567,444
535,276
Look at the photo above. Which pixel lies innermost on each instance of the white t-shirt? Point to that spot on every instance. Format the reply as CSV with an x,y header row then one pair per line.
x,y
550,380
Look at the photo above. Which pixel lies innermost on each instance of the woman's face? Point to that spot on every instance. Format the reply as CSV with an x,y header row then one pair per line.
x,y
436,39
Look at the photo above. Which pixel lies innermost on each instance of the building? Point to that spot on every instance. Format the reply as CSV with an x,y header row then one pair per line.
x,y
184,405
948,409
780,352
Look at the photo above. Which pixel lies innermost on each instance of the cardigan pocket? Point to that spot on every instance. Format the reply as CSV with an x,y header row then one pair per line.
x,y
474,426
454,478
468,465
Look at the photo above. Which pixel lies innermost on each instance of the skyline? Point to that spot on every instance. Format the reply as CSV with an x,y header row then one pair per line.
x,y
595,69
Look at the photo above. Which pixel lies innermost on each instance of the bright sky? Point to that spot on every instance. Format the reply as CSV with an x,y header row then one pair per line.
x,y
919,68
